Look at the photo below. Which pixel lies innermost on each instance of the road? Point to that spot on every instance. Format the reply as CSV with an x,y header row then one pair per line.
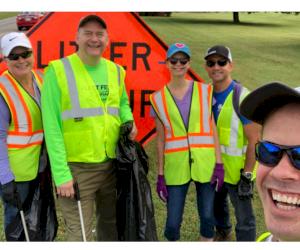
x,y
8,24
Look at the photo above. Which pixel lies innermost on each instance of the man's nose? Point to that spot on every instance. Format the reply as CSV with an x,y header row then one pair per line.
x,y
284,170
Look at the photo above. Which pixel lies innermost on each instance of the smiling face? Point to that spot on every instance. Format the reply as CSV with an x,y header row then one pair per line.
x,y
21,67
92,40
178,64
217,73
279,186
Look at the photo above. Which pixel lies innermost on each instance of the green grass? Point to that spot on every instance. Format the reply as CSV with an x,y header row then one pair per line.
x,y
265,47
7,14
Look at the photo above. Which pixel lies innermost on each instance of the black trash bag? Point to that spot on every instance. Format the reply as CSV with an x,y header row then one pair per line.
x,y
39,211
135,211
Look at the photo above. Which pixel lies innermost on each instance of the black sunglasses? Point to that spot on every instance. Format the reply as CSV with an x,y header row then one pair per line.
x,y
221,63
183,61
15,57
270,154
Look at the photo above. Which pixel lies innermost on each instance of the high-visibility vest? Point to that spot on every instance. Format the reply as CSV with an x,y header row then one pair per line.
x,y
233,141
90,127
264,237
25,132
188,153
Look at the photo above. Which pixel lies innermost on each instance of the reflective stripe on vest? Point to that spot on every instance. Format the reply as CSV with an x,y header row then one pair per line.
x,y
39,74
183,143
77,111
161,105
205,109
15,98
233,149
19,141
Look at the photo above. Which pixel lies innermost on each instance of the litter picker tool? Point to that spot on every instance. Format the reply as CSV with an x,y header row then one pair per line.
x,y
77,197
20,208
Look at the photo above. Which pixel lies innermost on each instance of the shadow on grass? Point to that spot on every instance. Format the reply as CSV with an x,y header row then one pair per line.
x,y
195,21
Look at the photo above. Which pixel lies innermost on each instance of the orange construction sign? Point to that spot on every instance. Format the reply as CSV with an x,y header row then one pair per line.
x,y
132,44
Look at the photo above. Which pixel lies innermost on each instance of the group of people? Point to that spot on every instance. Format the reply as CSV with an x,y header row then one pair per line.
x,y
202,138
210,134
79,111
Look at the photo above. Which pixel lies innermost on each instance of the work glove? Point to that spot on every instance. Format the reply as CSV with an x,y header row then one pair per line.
x,y
161,188
245,188
10,193
217,178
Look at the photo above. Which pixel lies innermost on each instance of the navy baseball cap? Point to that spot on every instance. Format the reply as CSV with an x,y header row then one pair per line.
x,y
266,99
219,50
92,18
178,47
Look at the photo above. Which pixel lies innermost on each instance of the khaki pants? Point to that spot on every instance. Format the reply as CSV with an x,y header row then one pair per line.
x,y
97,185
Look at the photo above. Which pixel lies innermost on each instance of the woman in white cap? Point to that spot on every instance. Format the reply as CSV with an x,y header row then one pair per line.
x,y
187,145
21,131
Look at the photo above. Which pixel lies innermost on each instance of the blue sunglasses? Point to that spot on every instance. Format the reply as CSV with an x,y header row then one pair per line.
x,y
270,154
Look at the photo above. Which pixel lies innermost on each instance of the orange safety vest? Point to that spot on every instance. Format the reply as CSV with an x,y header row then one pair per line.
x,y
188,153
25,133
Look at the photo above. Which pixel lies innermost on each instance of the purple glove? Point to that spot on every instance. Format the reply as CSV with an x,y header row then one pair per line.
x,y
217,178
161,188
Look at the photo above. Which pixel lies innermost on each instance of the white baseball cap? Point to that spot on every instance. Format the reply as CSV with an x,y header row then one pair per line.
x,y
14,39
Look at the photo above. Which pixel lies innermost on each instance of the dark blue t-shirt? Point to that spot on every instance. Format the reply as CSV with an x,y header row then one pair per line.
x,y
218,101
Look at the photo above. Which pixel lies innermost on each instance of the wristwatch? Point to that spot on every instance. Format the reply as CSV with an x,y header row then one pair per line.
x,y
248,175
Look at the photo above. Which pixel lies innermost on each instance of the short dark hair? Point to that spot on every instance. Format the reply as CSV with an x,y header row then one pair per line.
x,y
92,18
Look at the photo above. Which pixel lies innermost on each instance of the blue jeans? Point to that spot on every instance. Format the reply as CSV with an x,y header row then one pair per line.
x,y
245,229
175,208
11,211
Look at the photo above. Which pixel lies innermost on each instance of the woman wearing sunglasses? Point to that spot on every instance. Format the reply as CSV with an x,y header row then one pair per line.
x,y
277,108
186,144
21,130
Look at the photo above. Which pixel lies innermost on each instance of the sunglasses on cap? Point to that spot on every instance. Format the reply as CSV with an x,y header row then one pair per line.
x,y
15,57
182,61
270,154
221,63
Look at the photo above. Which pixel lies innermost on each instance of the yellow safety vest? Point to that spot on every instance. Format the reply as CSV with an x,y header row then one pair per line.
x,y
25,132
90,127
233,141
188,153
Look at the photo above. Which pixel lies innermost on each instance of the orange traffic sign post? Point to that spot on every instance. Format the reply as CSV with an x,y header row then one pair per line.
x,y
132,44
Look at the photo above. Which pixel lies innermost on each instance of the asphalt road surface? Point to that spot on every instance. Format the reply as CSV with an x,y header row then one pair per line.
x,y
7,25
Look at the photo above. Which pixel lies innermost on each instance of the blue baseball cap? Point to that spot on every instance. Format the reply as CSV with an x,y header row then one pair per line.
x,y
178,47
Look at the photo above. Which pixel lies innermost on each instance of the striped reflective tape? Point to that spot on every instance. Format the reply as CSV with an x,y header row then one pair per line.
x,y
189,142
160,106
176,144
233,140
205,109
25,139
119,74
200,140
22,122
79,113
113,111
233,151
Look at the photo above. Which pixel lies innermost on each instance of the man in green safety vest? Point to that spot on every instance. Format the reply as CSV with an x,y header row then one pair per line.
x,y
237,137
277,108
84,101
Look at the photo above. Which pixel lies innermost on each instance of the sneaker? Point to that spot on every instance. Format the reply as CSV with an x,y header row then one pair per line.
x,y
223,235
